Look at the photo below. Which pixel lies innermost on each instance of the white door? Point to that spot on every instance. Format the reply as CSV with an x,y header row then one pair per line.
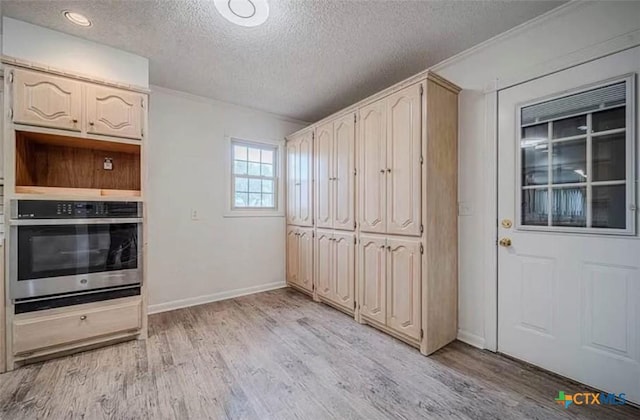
x,y
344,173
372,260
114,112
293,192
344,269
47,101
404,139
305,155
403,286
324,176
305,258
569,281
372,146
323,263
292,255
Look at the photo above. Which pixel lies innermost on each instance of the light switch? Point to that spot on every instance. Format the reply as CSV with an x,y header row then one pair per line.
x,y
464,208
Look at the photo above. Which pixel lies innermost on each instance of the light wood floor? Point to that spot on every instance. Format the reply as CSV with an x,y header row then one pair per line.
x,y
278,355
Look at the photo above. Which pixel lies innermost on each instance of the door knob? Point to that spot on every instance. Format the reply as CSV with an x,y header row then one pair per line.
x,y
505,242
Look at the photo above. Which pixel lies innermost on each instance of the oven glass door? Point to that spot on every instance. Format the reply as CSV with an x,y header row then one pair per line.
x,y
47,252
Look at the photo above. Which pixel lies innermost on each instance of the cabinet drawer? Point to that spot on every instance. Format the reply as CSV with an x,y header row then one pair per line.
x,y
56,327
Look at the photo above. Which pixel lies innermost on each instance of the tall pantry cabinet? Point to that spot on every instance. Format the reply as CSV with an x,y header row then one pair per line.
x,y
385,211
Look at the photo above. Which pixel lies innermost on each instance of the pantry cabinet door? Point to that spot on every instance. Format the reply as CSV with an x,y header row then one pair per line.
x,y
293,191
372,273
292,255
344,270
372,150
305,179
323,262
404,286
344,170
114,112
404,138
305,258
47,101
324,176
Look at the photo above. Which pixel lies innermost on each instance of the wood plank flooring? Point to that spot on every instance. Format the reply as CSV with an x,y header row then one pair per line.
x,y
278,355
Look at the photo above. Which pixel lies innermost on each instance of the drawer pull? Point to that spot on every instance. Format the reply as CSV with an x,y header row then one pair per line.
x,y
83,317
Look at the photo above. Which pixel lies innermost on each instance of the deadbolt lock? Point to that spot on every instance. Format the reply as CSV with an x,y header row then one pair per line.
x,y
506,223
506,242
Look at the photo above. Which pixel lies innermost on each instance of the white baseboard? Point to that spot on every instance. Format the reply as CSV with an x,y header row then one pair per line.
x,y
199,300
471,339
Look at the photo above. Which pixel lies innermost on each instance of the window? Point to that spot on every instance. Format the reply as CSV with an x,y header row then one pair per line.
x,y
254,177
576,161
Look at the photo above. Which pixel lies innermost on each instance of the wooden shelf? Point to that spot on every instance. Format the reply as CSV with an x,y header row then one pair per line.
x,y
77,192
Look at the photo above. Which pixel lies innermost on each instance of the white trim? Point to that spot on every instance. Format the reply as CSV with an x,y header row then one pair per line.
x,y
215,297
471,339
280,184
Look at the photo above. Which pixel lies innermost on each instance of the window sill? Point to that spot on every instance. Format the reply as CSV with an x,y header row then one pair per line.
x,y
255,213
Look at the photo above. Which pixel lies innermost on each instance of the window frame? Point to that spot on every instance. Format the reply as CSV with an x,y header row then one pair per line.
x,y
231,209
631,175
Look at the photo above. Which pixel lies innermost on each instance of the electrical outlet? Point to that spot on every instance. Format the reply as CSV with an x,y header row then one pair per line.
x,y
108,164
194,214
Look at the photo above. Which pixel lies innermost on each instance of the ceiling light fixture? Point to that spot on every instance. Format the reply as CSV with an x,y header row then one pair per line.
x,y
244,12
77,18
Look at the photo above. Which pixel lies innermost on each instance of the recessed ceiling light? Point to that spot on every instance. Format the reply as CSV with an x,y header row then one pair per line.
x,y
77,18
244,12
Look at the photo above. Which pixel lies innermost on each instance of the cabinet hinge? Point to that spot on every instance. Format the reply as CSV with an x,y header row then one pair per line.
x,y
355,225
11,77
355,172
355,240
421,90
421,160
355,118
421,228
142,102
142,132
11,113
313,135
421,249
355,305
313,234
421,333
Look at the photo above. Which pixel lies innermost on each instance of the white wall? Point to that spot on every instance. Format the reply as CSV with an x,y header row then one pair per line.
x,y
65,52
214,257
567,36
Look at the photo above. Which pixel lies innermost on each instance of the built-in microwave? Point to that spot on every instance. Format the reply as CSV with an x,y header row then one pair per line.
x,y
61,248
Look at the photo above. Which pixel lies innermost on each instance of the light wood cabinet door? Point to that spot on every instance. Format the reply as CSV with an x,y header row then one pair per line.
x,y
46,101
344,270
372,147
372,260
404,150
323,262
305,258
114,112
292,181
344,173
404,286
292,255
324,176
305,179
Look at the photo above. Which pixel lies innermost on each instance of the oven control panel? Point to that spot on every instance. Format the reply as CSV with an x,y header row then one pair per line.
x,y
54,209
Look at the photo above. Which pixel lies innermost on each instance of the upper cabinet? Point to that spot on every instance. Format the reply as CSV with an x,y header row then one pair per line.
x,y
299,179
390,150
114,112
46,101
51,101
335,170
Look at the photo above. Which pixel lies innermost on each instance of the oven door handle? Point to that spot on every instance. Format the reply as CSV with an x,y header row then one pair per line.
x,y
59,222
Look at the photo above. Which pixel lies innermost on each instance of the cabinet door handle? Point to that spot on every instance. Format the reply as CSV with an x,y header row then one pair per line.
x,y
75,120
382,246
382,171
389,170
83,317
91,123
389,248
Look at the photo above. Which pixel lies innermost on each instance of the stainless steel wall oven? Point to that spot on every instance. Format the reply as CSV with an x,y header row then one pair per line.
x,y
62,248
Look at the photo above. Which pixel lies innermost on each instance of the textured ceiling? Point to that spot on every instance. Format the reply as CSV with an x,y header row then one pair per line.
x,y
310,58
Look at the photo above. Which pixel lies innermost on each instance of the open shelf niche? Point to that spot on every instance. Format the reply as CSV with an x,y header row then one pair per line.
x,y
60,165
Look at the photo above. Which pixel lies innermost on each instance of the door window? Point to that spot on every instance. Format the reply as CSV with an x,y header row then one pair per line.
x,y
576,161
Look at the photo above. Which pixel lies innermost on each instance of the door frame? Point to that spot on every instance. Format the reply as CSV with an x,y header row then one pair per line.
x,y
491,167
